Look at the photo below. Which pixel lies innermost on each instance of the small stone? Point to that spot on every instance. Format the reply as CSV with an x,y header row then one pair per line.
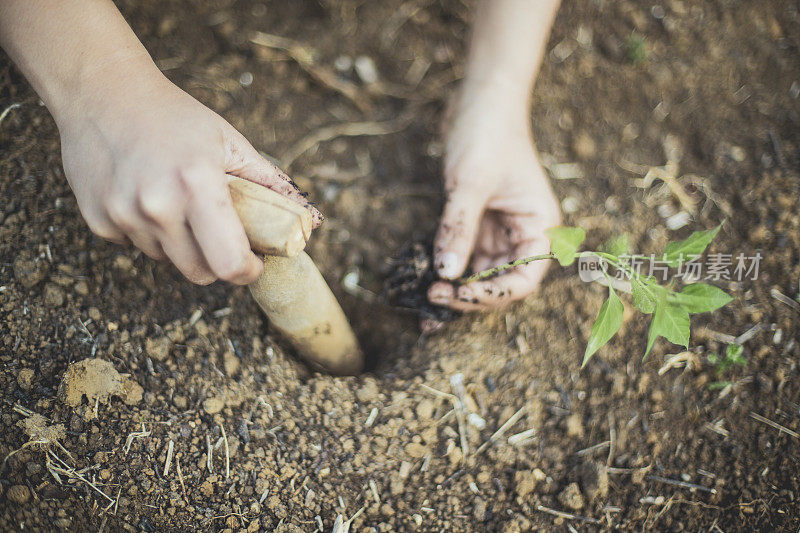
x,y
25,379
368,392
81,288
19,494
572,498
479,510
343,63
575,425
158,348
132,392
525,482
425,409
738,154
180,401
366,69
53,295
213,405
124,264
230,363
455,456
584,146
206,489
28,271
416,450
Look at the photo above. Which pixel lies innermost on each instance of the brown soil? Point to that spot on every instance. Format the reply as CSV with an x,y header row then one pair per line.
x,y
716,87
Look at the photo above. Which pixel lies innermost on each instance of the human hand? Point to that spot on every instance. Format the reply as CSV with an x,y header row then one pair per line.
x,y
499,204
148,165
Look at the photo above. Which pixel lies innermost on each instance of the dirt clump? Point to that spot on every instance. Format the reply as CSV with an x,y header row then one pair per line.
x,y
97,381
37,428
571,497
18,494
409,273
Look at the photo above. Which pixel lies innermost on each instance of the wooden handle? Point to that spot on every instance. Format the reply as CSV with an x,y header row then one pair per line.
x,y
291,291
301,306
274,224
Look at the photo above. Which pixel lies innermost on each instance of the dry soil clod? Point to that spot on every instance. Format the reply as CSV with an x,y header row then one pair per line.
x,y
98,380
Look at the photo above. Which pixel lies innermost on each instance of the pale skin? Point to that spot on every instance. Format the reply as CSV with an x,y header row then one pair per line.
x,y
499,202
148,163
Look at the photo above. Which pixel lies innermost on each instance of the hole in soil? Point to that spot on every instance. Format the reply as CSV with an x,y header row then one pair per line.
x,y
389,328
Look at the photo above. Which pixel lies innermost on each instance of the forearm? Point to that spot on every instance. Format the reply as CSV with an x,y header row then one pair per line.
x,y
508,43
70,49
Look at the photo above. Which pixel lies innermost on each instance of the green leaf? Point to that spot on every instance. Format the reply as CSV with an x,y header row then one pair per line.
x,y
733,352
564,243
618,245
644,296
607,323
695,244
670,321
702,298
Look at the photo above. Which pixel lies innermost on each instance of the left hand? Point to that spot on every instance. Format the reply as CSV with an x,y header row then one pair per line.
x,y
499,204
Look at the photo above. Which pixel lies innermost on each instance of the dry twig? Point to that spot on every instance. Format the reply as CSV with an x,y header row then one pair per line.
x,y
501,430
343,129
568,516
774,425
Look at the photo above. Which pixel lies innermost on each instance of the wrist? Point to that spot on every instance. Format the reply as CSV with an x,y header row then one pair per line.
x,y
496,100
105,86
485,113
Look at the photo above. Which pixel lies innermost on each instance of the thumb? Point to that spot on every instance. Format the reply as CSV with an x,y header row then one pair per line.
x,y
252,166
457,233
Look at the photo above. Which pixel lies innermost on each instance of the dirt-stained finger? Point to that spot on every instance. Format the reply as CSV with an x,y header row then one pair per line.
x,y
218,230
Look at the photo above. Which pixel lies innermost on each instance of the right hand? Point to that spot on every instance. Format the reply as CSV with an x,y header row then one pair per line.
x,y
148,164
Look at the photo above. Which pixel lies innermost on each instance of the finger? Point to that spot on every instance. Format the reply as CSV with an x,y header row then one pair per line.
x,y
514,284
458,298
181,248
218,230
520,282
441,292
245,162
457,233
147,244
447,295
481,262
107,230
134,228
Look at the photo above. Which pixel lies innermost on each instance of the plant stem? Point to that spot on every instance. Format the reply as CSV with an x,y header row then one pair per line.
x,y
483,274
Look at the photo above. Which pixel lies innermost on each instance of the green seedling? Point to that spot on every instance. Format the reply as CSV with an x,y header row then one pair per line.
x,y
722,364
636,49
670,309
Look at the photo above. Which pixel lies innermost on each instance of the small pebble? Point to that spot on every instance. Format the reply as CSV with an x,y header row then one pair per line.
x,y
366,69
213,405
18,494
25,379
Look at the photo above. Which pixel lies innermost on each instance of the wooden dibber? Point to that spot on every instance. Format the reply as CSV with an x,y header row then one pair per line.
x,y
291,291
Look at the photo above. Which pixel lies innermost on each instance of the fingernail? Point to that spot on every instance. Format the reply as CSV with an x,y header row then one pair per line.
x,y
447,265
437,296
